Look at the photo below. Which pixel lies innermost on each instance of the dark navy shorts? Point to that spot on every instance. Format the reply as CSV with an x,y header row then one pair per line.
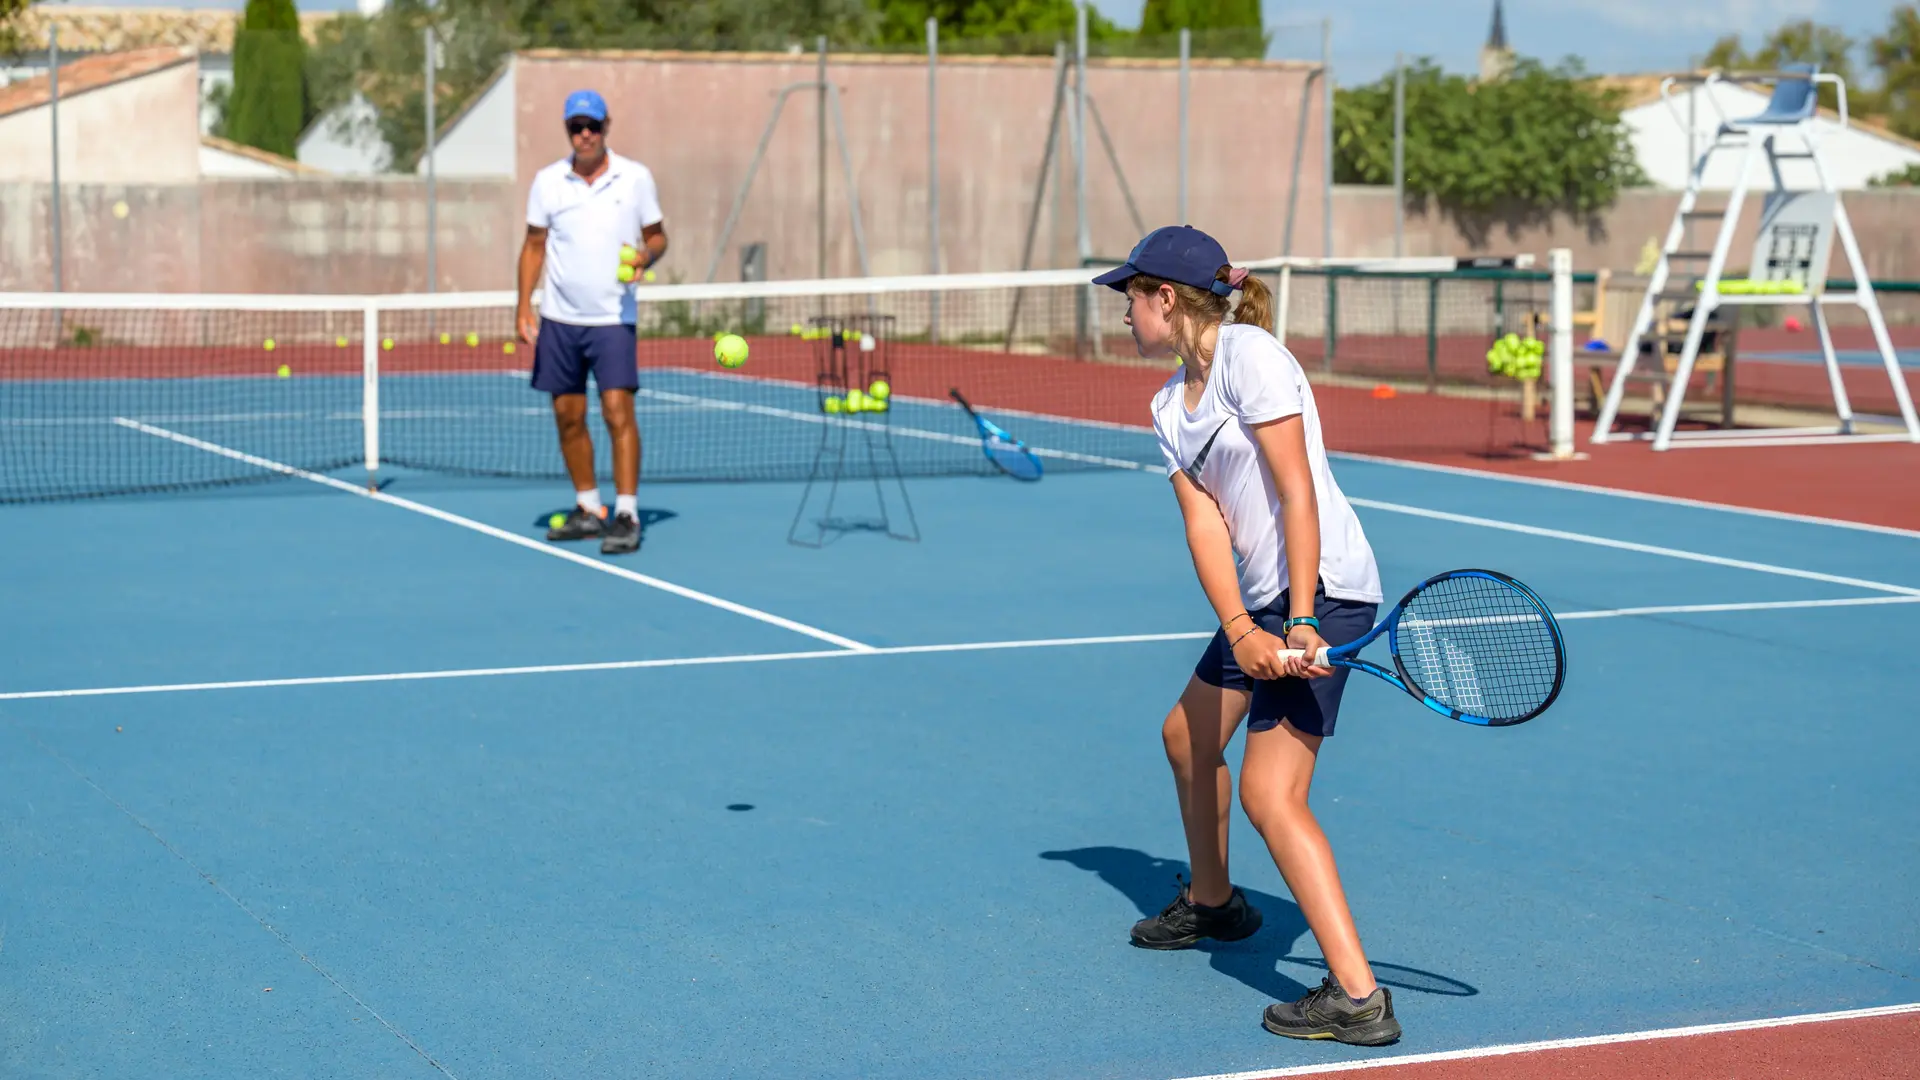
x,y
1310,705
564,353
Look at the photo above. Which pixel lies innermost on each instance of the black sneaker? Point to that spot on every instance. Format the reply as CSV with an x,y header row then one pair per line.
x,y
1183,923
622,536
1328,1013
581,524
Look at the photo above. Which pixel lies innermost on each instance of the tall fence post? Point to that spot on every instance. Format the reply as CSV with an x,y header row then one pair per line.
x,y
1399,155
53,108
933,172
433,201
1186,52
1326,182
820,210
1083,233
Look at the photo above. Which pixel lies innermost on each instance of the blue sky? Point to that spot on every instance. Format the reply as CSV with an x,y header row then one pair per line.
x,y
1610,35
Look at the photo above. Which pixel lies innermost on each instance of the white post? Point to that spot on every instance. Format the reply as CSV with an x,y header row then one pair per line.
x,y
1560,356
1326,179
53,108
370,389
820,211
1399,155
1280,303
1186,50
933,172
1082,227
433,268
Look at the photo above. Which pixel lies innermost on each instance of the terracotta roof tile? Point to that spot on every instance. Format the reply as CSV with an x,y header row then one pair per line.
x,y
92,73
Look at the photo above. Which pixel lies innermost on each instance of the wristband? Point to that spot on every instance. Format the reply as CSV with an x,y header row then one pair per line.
x,y
1229,622
1304,620
1241,638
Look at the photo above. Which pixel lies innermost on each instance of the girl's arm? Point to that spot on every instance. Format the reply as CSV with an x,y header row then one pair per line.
x,y
1283,446
1212,548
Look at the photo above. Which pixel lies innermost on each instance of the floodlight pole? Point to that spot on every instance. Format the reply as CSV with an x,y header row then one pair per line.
x,y
1399,155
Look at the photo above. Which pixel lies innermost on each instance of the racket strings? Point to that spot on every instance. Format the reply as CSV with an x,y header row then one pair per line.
x,y
1479,645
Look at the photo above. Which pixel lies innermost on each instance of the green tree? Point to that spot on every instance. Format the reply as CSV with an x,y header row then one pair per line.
x,y
1003,26
1907,177
1896,57
11,37
1801,41
1219,27
1540,141
267,107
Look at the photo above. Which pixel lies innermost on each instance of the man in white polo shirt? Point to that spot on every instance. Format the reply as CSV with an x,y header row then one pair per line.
x,y
581,210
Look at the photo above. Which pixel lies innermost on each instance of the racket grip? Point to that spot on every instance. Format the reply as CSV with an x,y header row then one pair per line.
x,y
1319,658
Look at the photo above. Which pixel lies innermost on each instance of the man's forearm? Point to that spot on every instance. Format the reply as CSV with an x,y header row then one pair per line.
x,y
531,264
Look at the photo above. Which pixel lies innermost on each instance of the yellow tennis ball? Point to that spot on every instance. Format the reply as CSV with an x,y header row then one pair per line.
x,y
625,273
472,338
285,372
340,342
876,404
730,350
647,276
446,339
507,348
856,401
833,405
386,343
629,255
794,330
879,391
269,345
556,521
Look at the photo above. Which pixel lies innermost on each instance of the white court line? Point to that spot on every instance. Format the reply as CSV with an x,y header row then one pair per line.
x,y
1623,493
500,534
1566,1044
1628,545
888,650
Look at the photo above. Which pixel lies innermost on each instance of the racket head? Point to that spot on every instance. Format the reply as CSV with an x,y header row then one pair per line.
x,y
1012,458
1478,646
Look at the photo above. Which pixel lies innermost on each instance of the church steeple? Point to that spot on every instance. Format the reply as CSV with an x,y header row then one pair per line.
x,y
1496,56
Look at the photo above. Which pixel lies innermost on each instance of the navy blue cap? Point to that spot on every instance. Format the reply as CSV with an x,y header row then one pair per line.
x,y
588,104
1179,253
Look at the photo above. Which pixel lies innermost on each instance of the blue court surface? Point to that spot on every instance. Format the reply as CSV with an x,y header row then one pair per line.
x,y
887,809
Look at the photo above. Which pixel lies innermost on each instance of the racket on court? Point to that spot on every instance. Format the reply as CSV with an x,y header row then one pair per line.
x,y
1474,645
1007,453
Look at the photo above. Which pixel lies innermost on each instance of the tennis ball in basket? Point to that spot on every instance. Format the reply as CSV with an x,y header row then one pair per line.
x,y
832,405
268,345
472,339
730,350
284,372
879,391
629,255
856,401
625,273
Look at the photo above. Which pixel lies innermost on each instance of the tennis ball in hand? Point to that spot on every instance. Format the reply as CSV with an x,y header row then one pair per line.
x,y
879,391
730,350
629,255
284,372
833,405
625,273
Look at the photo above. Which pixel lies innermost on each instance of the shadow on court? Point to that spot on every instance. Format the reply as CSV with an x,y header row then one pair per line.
x,y
1148,883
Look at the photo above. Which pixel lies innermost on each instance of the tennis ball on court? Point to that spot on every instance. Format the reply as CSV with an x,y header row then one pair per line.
x,y
625,273
446,339
386,343
730,350
648,276
629,255
556,521
472,339
879,391
794,330
284,372
507,348
340,342
833,405
268,345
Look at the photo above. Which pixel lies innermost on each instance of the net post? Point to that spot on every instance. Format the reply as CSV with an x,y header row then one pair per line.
x,y
1560,355
370,388
1433,333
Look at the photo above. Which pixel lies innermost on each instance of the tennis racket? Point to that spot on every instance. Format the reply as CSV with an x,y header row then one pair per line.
x,y
1474,645
1007,453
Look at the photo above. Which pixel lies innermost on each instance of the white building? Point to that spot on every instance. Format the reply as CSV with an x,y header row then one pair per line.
x,y
1852,155
478,141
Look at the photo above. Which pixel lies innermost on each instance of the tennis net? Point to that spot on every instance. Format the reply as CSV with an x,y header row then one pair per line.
x,y
111,394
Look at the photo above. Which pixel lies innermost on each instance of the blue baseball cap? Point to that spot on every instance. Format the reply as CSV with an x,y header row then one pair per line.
x,y
588,104
1179,253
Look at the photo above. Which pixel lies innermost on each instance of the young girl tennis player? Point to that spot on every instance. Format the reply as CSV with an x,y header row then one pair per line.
x,y
1242,440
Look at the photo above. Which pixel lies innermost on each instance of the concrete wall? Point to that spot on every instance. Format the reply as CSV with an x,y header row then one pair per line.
x,y
694,119
264,236
142,130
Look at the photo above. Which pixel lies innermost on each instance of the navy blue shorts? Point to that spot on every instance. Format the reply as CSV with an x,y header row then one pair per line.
x,y
564,353
1310,705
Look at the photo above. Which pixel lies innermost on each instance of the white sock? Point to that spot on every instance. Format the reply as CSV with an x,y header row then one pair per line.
x,y
589,501
628,505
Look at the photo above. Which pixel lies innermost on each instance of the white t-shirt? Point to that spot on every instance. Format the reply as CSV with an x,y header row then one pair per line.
x,y
586,225
1254,379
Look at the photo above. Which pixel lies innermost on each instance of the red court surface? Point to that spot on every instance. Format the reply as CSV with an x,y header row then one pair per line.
x,y
1868,1043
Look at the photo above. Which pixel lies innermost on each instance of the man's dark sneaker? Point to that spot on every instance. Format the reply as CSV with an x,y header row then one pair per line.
x,y
1328,1013
581,524
622,536
1183,923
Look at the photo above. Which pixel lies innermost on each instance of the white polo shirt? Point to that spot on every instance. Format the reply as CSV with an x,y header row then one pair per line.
x,y
586,225
1254,379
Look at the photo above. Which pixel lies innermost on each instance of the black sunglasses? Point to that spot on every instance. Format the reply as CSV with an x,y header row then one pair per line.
x,y
578,124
